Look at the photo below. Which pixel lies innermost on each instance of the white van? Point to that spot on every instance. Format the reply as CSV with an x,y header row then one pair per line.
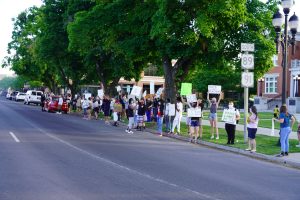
x,y
33,96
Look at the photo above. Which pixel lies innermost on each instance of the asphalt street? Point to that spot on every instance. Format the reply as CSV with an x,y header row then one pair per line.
x,y
45,156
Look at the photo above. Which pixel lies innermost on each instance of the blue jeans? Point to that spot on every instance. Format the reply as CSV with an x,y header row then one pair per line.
x,y
148,113
284,138
168,123
159,124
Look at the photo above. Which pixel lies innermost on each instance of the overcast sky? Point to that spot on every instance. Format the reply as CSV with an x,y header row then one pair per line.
x,y
11,8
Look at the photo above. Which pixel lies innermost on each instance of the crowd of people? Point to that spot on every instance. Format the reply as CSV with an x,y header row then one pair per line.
x,y
138,111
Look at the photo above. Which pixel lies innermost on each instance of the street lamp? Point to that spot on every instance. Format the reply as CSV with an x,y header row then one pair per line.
x,y
261,80
284,39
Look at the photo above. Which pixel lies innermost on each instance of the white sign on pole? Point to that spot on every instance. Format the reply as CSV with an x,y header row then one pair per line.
x,y
194,112
136,91
158,93
214,89
247,47
152,90
247,79
172,110
118,88
247,61
87,95
100,93
191,98
229,116
128,89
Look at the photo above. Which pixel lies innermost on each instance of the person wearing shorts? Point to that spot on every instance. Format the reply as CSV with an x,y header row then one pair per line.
x,y
213,117
194,125
252,129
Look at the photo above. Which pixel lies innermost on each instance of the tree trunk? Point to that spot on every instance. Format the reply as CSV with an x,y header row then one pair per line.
x,y
170,90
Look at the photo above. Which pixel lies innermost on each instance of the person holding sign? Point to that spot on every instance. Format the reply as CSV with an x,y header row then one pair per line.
x,y
178,116
213,118
130,115
252,129
194,124
160,116
285,129
230,122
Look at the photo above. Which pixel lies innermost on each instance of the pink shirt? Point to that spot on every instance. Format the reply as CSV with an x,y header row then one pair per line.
x,y
253,122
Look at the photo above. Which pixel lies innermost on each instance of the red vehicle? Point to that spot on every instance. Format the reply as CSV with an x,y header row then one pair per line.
x,y
52,105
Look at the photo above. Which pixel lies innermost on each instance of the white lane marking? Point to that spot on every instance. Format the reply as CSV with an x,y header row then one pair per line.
x,y
14,136
129,169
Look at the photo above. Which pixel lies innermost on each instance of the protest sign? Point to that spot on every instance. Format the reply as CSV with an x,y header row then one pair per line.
x,y
145,93
159,92
100,93
118,88
172,110
186,89
136,91
191,98
214,89
229,116
194,112
87,95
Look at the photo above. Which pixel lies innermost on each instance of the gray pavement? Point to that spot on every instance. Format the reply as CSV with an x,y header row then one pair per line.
x,y
65,157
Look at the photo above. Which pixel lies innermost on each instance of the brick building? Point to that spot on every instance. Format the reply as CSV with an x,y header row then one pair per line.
x,y
269,87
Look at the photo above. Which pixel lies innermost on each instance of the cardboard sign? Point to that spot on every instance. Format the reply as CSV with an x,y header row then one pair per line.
x,y
87,95
172,110
229,116
159,92
194,112
214,89
186,89
136,91
100,93
152,90
118,88
118,107
191,98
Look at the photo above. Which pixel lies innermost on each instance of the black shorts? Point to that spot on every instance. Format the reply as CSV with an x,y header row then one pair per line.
x,y
252,133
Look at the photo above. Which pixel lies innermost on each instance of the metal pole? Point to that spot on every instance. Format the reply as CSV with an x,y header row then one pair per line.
x,y
285,48
246,94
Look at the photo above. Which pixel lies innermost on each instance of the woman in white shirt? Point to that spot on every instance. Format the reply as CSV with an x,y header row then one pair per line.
x,y
178,116
252,129
231,125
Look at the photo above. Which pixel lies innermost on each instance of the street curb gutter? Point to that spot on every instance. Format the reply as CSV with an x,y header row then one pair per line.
x,y
272,159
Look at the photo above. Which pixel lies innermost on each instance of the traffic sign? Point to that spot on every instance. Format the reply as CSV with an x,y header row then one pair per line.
x,y
247,61
247,79
247,47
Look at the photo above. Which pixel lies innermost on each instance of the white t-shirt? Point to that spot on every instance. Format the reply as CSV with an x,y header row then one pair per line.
x,y
60,101
179,107
253,121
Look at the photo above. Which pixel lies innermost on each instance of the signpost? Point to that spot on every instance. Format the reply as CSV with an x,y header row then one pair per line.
x,y
247,62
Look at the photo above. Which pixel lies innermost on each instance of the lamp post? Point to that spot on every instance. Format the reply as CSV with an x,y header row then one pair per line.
x,y
261,80
283,38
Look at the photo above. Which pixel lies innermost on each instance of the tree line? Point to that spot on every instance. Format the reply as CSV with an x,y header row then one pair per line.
x,y
76,42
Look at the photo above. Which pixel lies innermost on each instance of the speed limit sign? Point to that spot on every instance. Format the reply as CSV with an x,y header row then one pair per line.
x,y
247,61
248,79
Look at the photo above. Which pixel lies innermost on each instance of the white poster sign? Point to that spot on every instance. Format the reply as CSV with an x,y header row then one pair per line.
x,y
194,112
172,110
87,95
145,93
100,93
152,90
191,98
118,88
159,92
229,116
128,89
214,89
136,91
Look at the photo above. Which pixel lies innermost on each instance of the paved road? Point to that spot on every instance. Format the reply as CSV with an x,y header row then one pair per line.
x,y
63,157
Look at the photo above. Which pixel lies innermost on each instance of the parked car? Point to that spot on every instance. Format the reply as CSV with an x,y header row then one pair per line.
x,y
13,95
33,96
20,96
52,105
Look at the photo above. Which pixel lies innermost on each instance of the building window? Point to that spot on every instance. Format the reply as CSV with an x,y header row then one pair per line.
x,y
271,85
295,63
275,60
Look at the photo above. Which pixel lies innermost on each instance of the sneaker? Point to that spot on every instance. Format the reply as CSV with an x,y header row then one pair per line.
x,y
161,135
127,131
253,150
280,155
212,137
248,149
217,138
286,153
298,145
130,132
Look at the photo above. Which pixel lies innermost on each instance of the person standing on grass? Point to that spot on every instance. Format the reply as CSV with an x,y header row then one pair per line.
x,y
285,129
230,126
96,108
276,112
178,116
194,124
298,133
252,129
160,116
200,105
60,103
130,115
106,109
167,117
213,117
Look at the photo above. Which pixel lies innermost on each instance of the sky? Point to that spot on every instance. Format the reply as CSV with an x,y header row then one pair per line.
x,y
11,8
